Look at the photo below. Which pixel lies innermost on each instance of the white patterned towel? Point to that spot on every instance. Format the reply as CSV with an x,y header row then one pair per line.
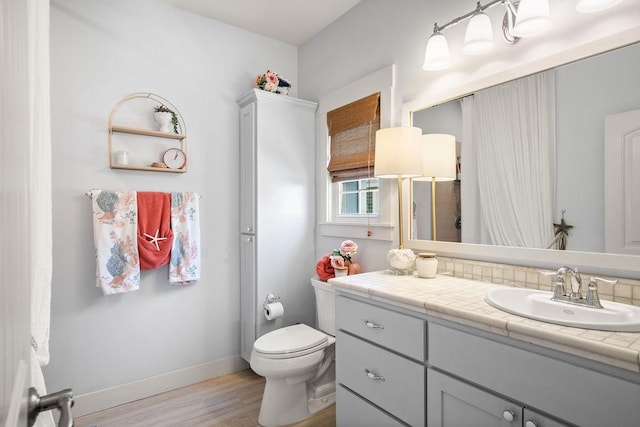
x,y
184,267
115,222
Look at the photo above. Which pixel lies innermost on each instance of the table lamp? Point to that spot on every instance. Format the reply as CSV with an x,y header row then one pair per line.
x,y
398,156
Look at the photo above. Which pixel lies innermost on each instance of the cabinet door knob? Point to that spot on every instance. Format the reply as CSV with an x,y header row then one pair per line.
x,y
373,325
530,423
374,376
508,415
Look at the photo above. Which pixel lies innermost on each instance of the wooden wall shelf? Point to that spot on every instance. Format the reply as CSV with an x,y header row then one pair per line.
x,y
180,137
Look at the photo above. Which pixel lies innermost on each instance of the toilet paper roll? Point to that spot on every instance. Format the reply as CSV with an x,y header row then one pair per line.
x,y
273,310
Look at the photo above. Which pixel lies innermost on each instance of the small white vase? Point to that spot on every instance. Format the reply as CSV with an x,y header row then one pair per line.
x,y
163,119
401,260
341,272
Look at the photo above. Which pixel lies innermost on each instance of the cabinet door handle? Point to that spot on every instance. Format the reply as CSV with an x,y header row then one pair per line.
x,y
374,376
508,415
530,423
373,325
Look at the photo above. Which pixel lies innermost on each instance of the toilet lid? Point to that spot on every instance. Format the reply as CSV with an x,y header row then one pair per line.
x,y
290,339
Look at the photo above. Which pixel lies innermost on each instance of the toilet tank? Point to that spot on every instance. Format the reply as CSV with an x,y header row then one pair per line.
x,y
325,306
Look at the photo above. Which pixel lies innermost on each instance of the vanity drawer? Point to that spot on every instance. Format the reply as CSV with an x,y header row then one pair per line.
x,y
354,411
397,331
386,379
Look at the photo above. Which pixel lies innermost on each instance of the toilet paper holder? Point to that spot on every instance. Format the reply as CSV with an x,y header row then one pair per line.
x,y
271,298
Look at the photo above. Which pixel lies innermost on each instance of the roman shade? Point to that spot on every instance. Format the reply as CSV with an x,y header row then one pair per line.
x,y
352,129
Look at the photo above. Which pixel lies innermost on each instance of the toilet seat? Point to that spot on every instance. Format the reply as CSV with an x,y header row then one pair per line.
x,y
289,342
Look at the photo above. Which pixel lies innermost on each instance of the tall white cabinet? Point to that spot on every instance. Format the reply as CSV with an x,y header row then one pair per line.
x,y
277,214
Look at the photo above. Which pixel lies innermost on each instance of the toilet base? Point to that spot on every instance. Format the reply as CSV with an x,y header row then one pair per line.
x,y
284,403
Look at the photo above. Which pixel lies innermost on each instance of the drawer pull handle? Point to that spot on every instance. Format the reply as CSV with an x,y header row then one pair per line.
x,y
373,325
374,376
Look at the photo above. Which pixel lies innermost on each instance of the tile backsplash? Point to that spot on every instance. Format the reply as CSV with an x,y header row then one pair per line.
x,y
625,291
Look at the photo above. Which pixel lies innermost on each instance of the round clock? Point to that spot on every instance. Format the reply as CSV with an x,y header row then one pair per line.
x,y
174,158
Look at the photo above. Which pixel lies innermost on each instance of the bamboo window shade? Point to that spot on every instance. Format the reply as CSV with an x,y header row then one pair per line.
x,y
352,129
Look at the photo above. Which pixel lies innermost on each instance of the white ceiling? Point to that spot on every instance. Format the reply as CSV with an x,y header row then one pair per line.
x,y
291,21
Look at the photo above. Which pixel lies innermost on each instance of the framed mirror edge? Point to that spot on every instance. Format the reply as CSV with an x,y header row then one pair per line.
x,y
597,263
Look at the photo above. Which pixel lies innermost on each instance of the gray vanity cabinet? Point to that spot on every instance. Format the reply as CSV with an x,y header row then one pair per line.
x,y
566,389
380,366
396,367
453,403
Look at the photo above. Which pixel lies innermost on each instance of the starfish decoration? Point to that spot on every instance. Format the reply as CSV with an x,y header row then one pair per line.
x,y
155,239
561,233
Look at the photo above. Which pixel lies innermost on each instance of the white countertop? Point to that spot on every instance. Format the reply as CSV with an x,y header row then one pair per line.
x,y
462,301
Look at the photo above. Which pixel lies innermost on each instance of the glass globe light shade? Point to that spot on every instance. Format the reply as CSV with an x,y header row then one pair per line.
x,y
436,56
532,18
478,38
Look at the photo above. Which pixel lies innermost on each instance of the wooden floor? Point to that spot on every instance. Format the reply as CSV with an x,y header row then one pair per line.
x,y
232,400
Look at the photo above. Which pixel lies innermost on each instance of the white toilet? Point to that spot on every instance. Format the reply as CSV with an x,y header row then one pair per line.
x,y
298,364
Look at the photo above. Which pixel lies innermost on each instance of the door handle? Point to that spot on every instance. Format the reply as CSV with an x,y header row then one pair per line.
x,y
61,400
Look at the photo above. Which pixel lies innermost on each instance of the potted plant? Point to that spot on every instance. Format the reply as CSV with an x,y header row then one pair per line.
x,y
165,118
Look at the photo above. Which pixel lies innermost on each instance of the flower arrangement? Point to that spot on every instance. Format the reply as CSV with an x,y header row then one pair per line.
x,y
272,82
338,259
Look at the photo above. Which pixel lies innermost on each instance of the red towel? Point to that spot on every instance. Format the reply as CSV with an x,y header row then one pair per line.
x,y
154,229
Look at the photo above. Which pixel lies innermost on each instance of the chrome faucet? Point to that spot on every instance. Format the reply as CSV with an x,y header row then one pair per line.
x,y
573,294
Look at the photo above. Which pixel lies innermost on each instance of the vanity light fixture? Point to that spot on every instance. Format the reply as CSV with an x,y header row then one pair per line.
x,y
523,18
591,6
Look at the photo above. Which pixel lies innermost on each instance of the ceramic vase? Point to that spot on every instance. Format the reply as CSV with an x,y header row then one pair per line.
x,y
163,119
341,272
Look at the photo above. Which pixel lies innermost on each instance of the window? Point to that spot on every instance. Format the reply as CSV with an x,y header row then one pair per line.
x,y
359,197
352,129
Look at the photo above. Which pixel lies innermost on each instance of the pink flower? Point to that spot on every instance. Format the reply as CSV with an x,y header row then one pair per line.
x,y
348,249
272,78
337,262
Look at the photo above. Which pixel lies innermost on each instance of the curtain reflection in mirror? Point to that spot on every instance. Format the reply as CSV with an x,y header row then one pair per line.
x,y
511,129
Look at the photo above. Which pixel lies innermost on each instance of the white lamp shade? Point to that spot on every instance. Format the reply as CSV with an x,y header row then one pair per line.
x,y
478,38
436,55
398,152
438,157
591,6
532,18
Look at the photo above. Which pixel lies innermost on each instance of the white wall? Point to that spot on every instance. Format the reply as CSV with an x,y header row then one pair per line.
x,y
100,52
377,33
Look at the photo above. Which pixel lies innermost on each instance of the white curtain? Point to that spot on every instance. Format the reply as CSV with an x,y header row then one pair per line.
x,y
514,138
24,114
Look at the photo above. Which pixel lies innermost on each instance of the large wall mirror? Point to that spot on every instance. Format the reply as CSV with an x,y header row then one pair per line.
x,y
585,93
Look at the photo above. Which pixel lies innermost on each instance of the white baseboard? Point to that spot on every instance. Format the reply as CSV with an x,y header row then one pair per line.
x,y
124,393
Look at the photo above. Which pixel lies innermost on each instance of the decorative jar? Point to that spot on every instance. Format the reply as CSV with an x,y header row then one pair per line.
x,y
427,265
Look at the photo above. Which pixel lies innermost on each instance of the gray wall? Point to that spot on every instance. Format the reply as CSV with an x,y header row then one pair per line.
x,y
100,52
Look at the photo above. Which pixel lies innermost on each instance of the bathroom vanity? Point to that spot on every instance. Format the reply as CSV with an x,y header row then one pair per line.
x,y
417,352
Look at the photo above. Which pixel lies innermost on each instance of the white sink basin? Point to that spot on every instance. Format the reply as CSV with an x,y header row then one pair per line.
x,y
538,305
